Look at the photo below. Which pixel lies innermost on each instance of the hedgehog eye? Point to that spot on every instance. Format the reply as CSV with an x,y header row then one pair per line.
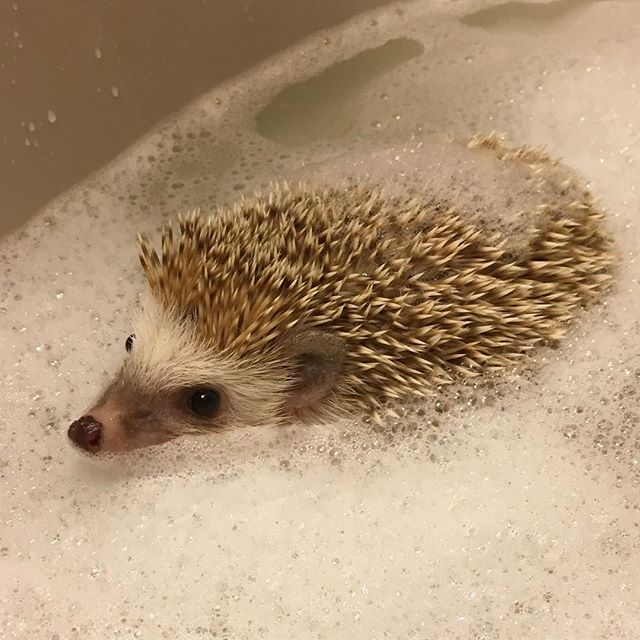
x,y
204,402
128,343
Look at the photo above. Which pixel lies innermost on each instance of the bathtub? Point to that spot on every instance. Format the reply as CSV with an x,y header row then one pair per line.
x,y
508,511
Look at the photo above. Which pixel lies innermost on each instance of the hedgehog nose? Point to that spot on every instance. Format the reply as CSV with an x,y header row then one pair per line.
x,y
86,432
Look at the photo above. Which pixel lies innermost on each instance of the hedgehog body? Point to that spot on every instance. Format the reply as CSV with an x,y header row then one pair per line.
x,y
309,301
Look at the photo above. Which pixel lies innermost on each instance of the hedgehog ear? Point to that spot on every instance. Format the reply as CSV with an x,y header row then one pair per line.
x,y
318,358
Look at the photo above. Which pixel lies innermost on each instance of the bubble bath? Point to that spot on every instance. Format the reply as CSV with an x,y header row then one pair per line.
x,y
505,510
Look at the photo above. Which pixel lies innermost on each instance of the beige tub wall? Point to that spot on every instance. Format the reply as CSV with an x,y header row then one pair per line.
x,y
160,54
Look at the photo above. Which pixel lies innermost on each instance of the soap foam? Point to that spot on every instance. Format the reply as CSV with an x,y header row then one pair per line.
x,y
507,510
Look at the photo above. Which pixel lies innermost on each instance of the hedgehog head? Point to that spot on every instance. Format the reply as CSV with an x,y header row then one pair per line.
x,y
221,340
174,383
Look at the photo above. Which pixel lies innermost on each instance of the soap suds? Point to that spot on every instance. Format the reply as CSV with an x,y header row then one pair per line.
x,y
508,511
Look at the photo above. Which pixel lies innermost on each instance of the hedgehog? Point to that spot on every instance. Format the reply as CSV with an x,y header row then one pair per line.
x,y
308,302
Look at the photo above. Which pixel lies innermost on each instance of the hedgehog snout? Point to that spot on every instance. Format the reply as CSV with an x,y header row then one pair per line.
x,y
86,433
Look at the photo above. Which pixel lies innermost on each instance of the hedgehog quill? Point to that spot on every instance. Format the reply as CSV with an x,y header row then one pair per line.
x,y
305,303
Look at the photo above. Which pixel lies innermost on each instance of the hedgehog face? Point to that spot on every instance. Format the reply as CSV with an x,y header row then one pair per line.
x,y
173,384
129,416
